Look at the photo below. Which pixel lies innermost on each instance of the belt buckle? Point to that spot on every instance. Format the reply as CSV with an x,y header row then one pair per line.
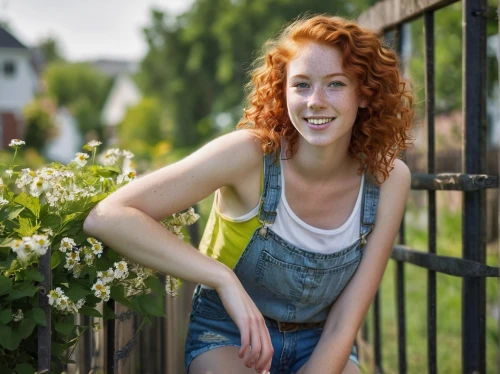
x,y
288,326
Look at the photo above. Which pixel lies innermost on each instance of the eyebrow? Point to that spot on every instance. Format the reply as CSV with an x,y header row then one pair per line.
x,y
326,76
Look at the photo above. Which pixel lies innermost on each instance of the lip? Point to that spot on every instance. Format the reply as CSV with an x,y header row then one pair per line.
x,y
319,127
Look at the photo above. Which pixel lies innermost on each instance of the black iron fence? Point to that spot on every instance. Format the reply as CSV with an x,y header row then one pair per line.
x,y
390,16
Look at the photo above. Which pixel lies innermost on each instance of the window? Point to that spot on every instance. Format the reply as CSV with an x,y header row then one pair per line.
x,y
9,69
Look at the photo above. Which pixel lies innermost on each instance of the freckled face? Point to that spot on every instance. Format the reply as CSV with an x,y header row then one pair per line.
x,y
321,100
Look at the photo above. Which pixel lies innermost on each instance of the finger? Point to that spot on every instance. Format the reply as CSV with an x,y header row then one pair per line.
x,y
267,351
255,343
245,340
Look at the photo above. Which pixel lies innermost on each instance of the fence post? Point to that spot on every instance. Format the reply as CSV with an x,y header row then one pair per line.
x,y
44,332
474,238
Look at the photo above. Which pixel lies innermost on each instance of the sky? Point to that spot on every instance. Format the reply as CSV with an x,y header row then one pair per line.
x,y
87,29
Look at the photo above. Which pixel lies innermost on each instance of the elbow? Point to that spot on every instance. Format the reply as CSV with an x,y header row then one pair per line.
x,y
94,221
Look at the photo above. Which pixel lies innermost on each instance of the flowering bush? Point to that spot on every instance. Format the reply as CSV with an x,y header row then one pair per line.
x,y
45,209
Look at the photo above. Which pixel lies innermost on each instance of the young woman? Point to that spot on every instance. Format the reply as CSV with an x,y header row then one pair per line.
x,y
309,196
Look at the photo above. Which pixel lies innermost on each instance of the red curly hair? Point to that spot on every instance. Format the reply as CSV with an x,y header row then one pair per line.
x,y
381,131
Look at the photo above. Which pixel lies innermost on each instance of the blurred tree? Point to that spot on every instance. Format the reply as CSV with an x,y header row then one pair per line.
x,y
81,89
142,122
51,50
39,123
197,62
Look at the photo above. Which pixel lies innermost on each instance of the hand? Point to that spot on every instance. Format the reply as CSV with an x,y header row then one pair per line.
x,y
253,330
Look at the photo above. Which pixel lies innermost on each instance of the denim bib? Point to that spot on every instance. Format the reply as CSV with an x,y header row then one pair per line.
x,y
290,284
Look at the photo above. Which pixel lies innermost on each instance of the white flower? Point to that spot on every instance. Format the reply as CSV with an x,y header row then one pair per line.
x,y
41,244
127,154
80,303
18,316
81,159
26,178
94,143
38,186
127,177
3,202
9,172
96,246
16,143
49,173
121,270
62,303
19,249
48,231
72,259
54,295
106,276
101,290
67,244
111,156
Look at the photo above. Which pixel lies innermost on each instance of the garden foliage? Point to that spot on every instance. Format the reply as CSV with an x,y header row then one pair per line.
x,y
42,213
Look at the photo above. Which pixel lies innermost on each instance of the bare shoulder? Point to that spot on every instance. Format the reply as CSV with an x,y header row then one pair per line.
x,y
394,192
399,177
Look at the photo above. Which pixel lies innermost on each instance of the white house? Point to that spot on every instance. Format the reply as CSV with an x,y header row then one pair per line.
x,y
18,85
122,95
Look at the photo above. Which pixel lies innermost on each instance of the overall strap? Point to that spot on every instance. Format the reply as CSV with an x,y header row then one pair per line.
x,y
272,190
368,208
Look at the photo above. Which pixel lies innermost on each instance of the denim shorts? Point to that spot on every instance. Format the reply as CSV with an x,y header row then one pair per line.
x,y
211,327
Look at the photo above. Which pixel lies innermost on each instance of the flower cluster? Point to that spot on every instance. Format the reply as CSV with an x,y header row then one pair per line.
x,y
30,247
175,223
62,303
102,286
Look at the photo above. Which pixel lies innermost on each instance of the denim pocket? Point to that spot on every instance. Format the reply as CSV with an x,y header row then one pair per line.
x,y
302,284
205,307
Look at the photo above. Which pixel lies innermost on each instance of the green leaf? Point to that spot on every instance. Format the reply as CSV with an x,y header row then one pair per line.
x,y
71,217
7,242
118,294
64,328
24,368
55,259
26,327
9,339
77,292
26,227
10,212
91,312
30,202
107,312
5,285
5,316
152,305
155,284
28,291
34,275
39,317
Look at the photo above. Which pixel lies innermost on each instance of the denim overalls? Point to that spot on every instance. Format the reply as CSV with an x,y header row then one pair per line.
x,y
287,284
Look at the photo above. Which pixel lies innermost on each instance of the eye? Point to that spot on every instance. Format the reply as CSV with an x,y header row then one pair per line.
x,y
337,84
301,85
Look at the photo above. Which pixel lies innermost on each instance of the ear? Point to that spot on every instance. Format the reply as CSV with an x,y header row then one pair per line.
x,y
363,102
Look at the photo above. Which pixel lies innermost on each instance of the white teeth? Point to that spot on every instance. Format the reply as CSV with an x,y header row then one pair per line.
x,y
318,121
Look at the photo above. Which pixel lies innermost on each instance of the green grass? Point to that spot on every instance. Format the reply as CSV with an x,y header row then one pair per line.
x,y
449,309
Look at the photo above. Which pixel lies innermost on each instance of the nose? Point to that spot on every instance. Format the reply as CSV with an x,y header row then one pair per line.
x,y
317,99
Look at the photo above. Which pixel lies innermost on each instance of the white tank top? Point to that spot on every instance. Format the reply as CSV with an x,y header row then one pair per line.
x,y
302,235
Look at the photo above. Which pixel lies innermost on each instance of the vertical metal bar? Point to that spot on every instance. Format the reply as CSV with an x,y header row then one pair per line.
x,y
377,334
400,270
429,116
44,332
498,171
474,245
110,341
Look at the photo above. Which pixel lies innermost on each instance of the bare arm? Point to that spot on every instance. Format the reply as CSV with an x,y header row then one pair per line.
x,y
345,317
127,221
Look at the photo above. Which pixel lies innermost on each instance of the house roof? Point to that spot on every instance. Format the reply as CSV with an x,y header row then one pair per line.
x,y
115,68
7,40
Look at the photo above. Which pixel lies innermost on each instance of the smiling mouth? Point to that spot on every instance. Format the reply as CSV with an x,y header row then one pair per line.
x,y
319,121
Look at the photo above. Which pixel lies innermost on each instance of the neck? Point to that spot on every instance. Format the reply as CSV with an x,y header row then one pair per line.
x,y
321,163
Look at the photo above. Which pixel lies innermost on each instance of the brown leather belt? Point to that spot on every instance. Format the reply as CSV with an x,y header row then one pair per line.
x,y
293,326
